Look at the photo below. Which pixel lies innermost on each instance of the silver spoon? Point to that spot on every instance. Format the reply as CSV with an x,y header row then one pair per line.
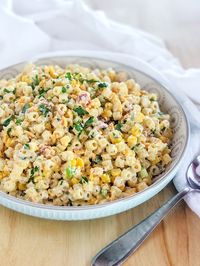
x,y
119,250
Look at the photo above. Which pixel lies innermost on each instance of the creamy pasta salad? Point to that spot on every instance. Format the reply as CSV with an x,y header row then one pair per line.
x,y
79,136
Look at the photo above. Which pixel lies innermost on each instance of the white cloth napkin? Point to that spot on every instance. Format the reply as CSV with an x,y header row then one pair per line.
x,y
27,29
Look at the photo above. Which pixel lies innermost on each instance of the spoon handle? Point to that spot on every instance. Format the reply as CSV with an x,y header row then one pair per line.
x,y
116,252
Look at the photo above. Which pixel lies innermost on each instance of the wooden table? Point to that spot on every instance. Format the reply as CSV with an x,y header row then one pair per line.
x,y
30,241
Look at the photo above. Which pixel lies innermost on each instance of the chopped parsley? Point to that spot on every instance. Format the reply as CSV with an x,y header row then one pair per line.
x,y
26,146
68,76
143,173
79,127
80,111
35,82
64,89
32,174
102,85
132,116
25,108
77,76
89,122
9,91
9,131
136,146
84,180
8,120
160,113
18,121
69,172
42,92
43,109
118,126
98,159
91,80
104,192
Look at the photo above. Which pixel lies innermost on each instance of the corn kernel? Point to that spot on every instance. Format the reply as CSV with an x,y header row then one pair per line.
x,y
91,177
74,181
92,201
107,113
42,83
132,140
5,171
73,162
52,72
115,172
116,137
79,162
135,131
46,173
116,140
126,152
48,125
9,142
64,121
139,117
105,178
164,139
108,106
73,82
21,186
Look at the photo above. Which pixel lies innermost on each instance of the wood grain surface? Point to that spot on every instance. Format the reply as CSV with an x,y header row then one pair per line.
x,y
31,241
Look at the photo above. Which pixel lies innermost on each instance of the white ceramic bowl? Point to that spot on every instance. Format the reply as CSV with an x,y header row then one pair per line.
x,y
148,79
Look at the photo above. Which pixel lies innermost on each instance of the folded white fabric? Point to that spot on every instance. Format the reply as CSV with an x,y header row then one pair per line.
x,y
51,25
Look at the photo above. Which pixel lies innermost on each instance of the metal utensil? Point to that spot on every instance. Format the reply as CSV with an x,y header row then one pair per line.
x,y
119,250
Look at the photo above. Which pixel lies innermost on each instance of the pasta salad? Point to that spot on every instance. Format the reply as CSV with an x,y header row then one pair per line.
x,y
76,136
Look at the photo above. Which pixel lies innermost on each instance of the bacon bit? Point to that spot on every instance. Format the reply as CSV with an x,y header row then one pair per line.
x,y
42,148
84,99
115,90
102,125
64,121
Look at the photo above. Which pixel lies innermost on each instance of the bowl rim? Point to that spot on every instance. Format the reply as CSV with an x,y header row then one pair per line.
x,y
154,185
